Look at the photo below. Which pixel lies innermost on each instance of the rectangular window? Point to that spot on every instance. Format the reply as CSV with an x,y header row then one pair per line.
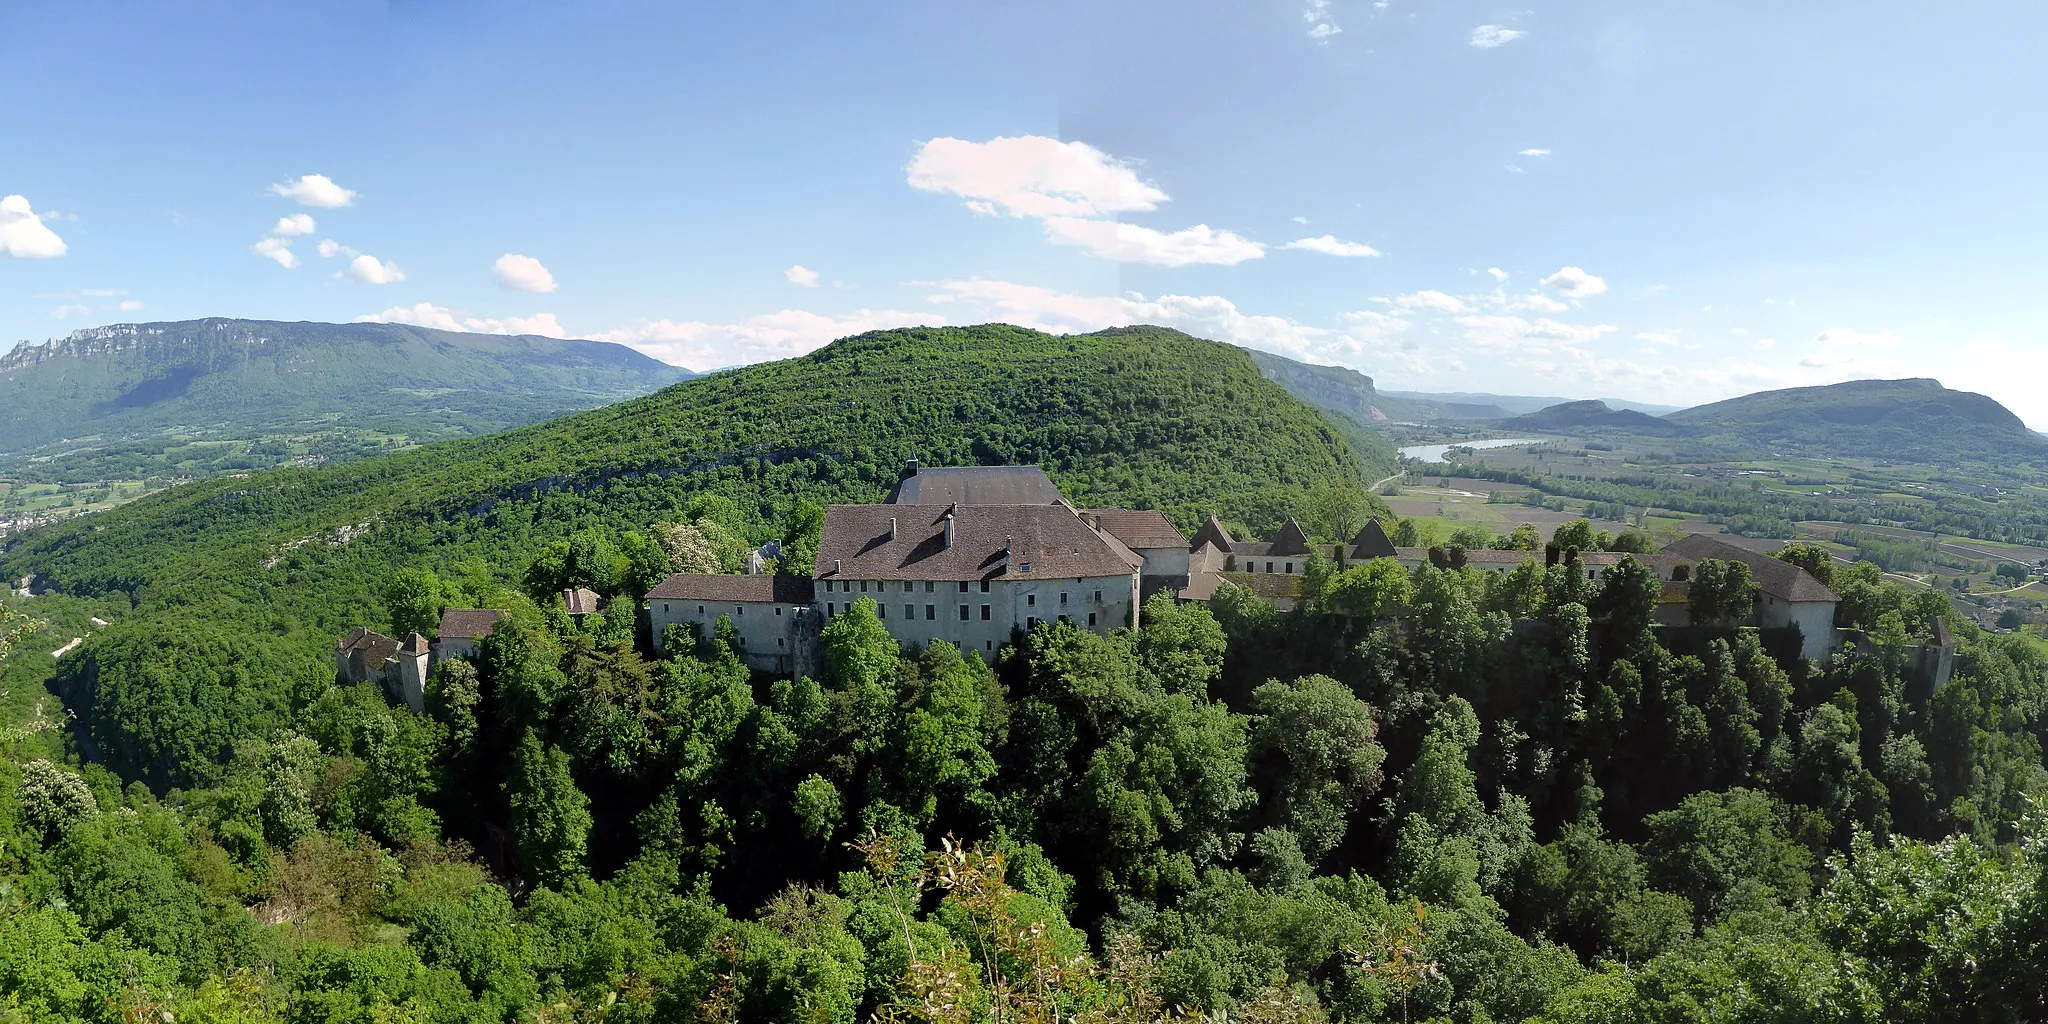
x,y
984,613
1091,618
1098,596
778,641
1031,600
1063,598
881,611
963,586
864,586
700,609
963,613
927,586
743,641
1065,620
990,644
828,586
908,586
664,608
1290,568
1269,568
830,609
778,609
1031,622
931,612
739,609
910,611
984,586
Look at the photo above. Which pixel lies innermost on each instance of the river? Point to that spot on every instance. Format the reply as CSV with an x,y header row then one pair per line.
x,y
1435,452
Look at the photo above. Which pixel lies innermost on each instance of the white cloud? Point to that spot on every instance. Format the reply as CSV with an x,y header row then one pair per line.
x,y
370,270
1498,273
1032,176
1321,26
315,190
1329,245
780,335
426,314
1574,283
130,305
1132,243
1207,316
1534,152
1538,302
1432,300
1665,337
330,248
1487,37
1299,219
522,274
296,224
23,234
800,275
279,250
1851,338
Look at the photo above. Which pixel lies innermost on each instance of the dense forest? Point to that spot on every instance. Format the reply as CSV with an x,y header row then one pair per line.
x,y
1443,794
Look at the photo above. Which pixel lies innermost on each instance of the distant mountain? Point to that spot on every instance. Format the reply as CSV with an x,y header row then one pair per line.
x,y
213,380
1915,420
1345,397
1566,417
1516,405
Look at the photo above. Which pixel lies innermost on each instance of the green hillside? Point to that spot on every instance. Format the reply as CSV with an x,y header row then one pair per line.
x,y
1910,420
1593,415
162,398
1344,395
266,570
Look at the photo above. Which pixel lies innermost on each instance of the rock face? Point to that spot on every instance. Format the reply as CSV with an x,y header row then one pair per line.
x,y
243,378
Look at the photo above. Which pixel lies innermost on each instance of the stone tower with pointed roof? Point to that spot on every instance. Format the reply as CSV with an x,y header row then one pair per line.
x,y
1371,542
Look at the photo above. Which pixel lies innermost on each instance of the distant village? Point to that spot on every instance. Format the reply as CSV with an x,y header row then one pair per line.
x,y
975,555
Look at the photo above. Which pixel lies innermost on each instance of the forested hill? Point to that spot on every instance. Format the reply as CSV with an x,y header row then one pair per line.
x,y
274,565
1916,420
1588,415
244,379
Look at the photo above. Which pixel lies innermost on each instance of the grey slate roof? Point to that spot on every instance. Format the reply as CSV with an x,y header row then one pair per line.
x,y
468,623
1047,542
1291,540
1138,529
1372,541
758,588
976,485
1782,580
1213,532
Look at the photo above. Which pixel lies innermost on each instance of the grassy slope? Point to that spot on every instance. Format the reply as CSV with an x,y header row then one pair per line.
x,y
1138,416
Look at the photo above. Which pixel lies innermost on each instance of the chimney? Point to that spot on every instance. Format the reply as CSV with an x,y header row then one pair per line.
x,y
910,468
892,527
835,567
1009,561
949,530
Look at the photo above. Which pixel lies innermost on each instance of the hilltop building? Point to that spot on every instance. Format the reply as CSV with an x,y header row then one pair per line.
x,y
968,555
460,630
581,601
400,668
1786,594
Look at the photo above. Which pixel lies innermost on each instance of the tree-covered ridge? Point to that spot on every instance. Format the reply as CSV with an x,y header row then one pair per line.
x,y
1915,420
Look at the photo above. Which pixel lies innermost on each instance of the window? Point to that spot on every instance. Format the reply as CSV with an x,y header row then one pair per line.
x,y
984,586
778,609
828,586
1269,568
963,586
829,610
881,611
1063,598
1098,596
1290,568
778,641
927,586
863,586
984,613
1031,600
1031,622
1026,567
743,642
990,644
739,609
1091,618
664,608
700,609
931,611
910,611
1066,620
963,613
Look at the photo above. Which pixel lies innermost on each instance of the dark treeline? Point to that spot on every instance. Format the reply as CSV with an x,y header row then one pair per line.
x,y
1443,794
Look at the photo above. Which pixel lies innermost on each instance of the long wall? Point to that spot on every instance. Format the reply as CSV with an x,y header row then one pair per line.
x,y
918,612
773,637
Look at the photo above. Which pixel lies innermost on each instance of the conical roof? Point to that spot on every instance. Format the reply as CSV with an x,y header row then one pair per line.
x,y
1372,542
1212,532
1291,540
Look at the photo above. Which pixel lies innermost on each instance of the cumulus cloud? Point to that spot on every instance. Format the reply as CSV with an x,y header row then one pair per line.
x,y
279,250
1075,189
296,224
1574,283
330,248
1498,273
522,274
1488,37
1208,316
1432,300
1032,176
1537,302
798,274
23,235
1330,245
426,314
315,190
1321,25
780,335
1132,243
370,270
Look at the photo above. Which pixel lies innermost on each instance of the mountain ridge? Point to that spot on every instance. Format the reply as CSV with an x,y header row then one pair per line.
x,y
1915,418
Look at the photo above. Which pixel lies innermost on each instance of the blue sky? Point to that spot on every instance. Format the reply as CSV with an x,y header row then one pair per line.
x,y
1672,203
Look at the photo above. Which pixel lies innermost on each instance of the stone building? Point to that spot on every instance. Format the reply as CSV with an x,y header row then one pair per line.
x,y
460,630
400,668
1786,594
772,617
